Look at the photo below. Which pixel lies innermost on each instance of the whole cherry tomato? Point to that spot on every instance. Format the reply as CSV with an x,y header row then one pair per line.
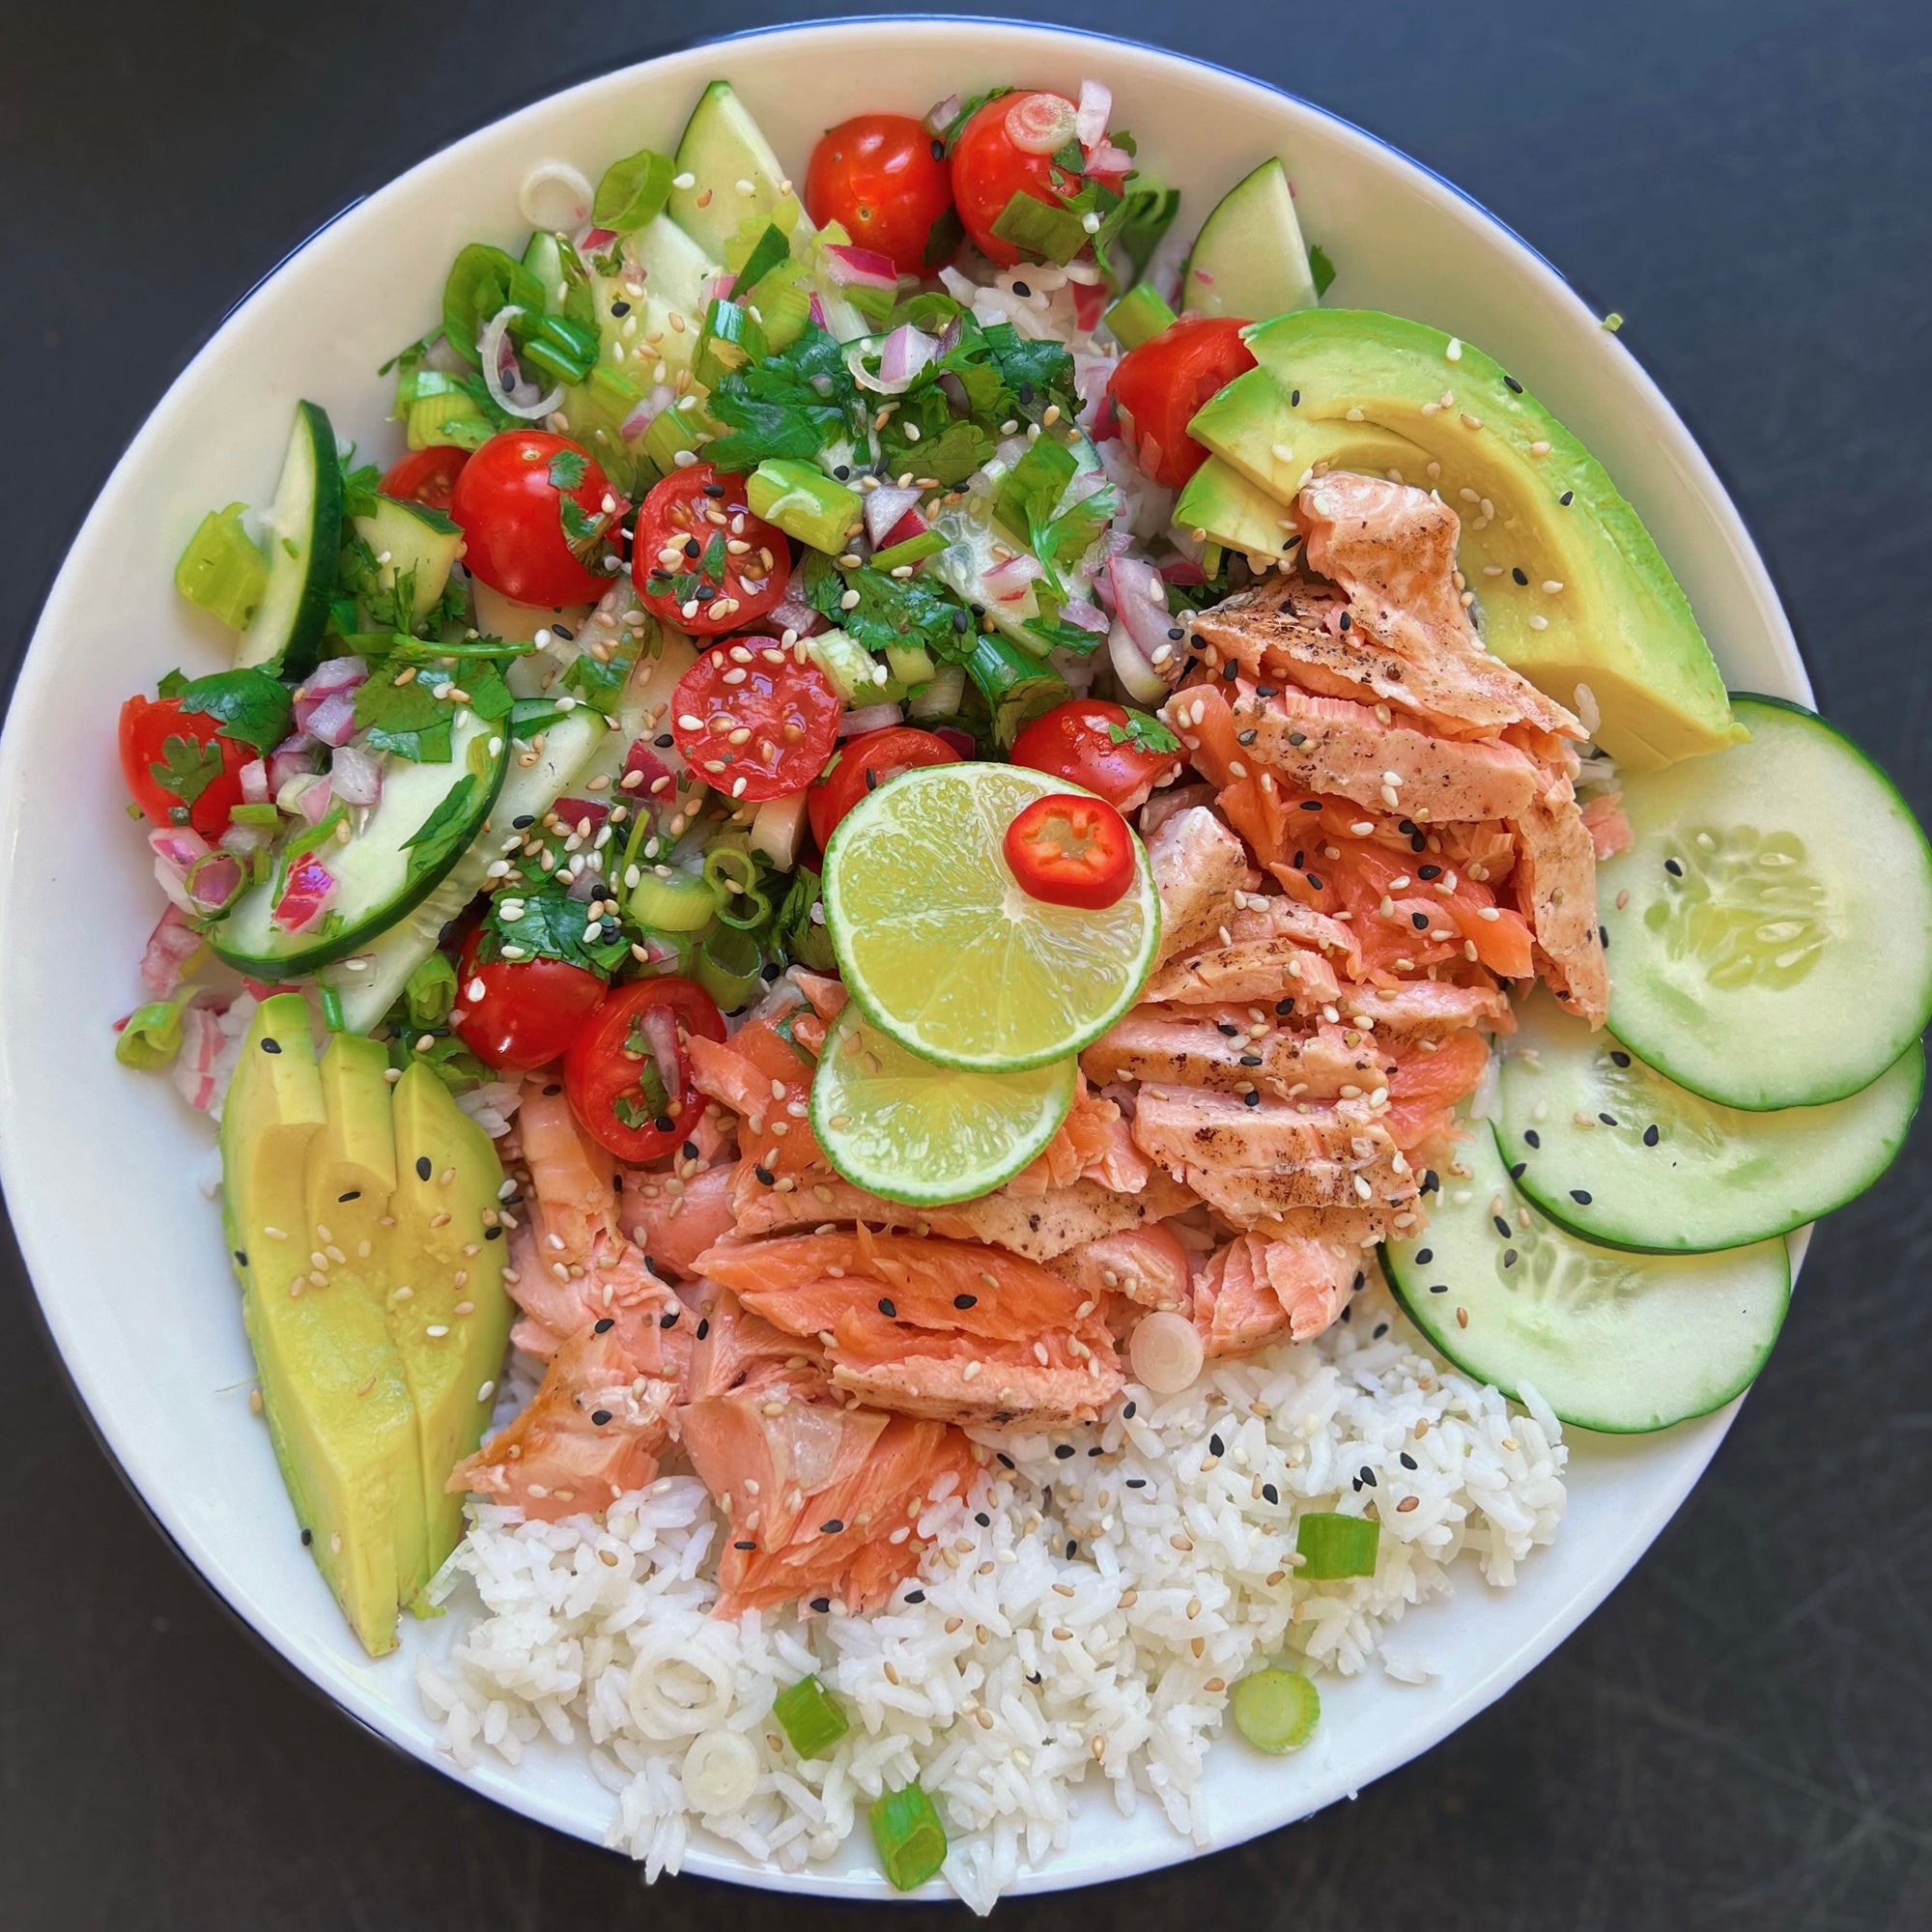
x,y
1159,386
627,1074
1071,850
864,764
884,179
998,155
520,1014
754,684
179,769
1121,755
537,514
426,476
701,562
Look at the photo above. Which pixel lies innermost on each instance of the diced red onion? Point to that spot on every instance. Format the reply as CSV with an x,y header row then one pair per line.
x,y
172,944
941,114
1089,119
1085,615
315,801
310,888
1107,161
497,354
343,673
650,768
356,775
585,886
254,776
884,507
596,238
1007,582
904,352
193,1070
1041,123
661,1030
1140,606
573,814
719,288
817,311
333,720
292,758
870,718
647,412
911,525
960,741
791,612
194,876
325,703
853,267
554,196
245,839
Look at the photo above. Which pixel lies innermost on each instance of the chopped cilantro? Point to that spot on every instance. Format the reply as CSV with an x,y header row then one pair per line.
x,y
1321,269
250,706
1144,732
891,611
408,720
550,926
437,840
795,405
185,768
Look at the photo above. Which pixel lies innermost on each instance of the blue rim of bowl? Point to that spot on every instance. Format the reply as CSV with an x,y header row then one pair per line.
x,y
285,1664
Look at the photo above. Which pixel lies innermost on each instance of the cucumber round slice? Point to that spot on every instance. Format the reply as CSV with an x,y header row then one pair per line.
x,y
1609,1149
304,547
426,820
1611,1341
1770,932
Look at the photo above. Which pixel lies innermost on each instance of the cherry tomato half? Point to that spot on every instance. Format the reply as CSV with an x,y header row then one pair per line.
x,y
627,1075
520,1014
864,764
684,566
884,179
988,169
1159,386
426,476
519,537
754,684
178,767
1121,755
1070,850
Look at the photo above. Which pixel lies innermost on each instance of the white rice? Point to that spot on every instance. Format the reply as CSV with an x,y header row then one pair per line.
x,y
1029,1667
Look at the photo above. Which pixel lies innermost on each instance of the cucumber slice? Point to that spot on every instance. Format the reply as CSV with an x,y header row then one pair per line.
x,y
371,981
1656,1167
304,547
677,270
378,873
720,147
1770,932
419,543
1249,259
1611,1341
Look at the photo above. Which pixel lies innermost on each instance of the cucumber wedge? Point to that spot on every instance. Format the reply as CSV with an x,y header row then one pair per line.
x,y
418,543
1615,1153
1770,932
1611,1341
426,820
1249,259
370,980
304,547
721,148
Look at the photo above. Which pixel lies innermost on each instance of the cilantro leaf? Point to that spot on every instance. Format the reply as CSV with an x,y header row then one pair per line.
x,y
1131,230
444,831
1037,373
798,936
187,768
408,720
567,469
250,706
550,925
1321,269
891,611
1144,732
490,698
795,404
967,107
172,684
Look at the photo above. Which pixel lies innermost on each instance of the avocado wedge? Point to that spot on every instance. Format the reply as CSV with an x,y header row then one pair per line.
x,y
352,1212
1571,587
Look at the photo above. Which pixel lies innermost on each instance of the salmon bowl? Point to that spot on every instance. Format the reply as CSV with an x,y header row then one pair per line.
x,y
508,1689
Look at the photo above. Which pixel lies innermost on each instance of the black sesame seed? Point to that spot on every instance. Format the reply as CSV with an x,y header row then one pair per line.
x,y
1430,1182
1268,691
1438,1288
1619,1059
1023,290
965,1300
424,1167
1063,1450
1568,497
1519,1170
1580,1195
1136,1482
1128,1411
275,1046
1269,1493
704,1327
308,1537
1532,1138
1517,572
353,1194
765,1175
1072,1550
669,1320
1514,388
523,820
1175,635
1382,1329
961,621
600,1416
744,1546
939,151
1005,1460
872,780
1368,1475
714,489
552,1089
1214,1447
832,1526
1358,1485
1284,1007
982,1518
1355,1287
1315,880
1252,1100
1222,1026
1245,737
1650,1136
1231,672
605,1325
1428,871
887,1309
1509,1257
821,1604
1295,399
1249,1060
1345,620
1502,1227
1420,920
1604,937
1608,1120
240,1258
1424,1256
664,1123
1671,866
1097,1450
915,1596
663,741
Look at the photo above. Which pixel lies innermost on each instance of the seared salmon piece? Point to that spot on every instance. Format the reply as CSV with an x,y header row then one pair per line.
x,y
1424,1087
1244,970
597,1426
1251,1198
1148,1266
1261,1286
1429,1009
766,1081
1201,871
732,1348
1558,877
1288,631
1226,1049
1091,1144
952,1330
676,1220
824,1500
1608,829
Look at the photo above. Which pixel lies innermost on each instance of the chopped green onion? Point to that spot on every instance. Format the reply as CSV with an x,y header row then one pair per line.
x,y
1139,316
783,306
730,868
153,1035
554,343
671,431
1054,234
910,665
264,814
915,549
222,570
431,991
684,903
813,1720
331,1008
911,1839
804,503
482,282
729,340
1332,1547
1019,685
767,252
445,421
633,191
1277,1710
729,964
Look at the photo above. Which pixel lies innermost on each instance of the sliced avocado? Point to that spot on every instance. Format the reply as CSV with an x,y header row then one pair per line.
x,y
720,147
324,1238
1572,588
1218,502
1249,259
447,1249
1250,425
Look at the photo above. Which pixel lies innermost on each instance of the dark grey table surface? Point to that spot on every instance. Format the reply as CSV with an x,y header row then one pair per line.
x,y
1739,1737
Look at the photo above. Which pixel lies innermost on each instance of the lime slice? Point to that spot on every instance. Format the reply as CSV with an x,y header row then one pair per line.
x,y
900,1126
944,953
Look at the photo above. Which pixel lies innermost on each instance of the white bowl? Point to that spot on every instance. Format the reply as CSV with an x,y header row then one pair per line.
x,y
137,1293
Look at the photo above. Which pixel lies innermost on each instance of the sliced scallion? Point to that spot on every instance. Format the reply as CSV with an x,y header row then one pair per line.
x,y
684,903
1332,1547
1276,1710
222,569
812,1718
911,1839
152,1035
729,964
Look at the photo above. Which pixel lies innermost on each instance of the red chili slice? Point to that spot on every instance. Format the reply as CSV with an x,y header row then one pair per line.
x,y
1070,850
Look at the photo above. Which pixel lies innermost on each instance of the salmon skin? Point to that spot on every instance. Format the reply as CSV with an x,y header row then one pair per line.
x,y
950,1330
